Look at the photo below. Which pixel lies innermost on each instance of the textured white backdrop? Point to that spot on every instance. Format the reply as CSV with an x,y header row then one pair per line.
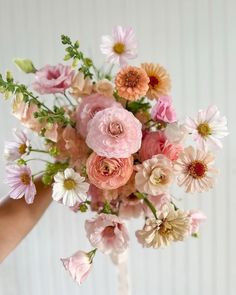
x,y
195,40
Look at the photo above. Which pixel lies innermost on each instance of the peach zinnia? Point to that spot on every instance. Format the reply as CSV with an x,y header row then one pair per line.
x,y
159,80
132,83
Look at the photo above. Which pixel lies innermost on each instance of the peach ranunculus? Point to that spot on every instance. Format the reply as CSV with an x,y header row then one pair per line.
x,y
89,106
81,86
154,175
104,87
155,143
107,233
109,173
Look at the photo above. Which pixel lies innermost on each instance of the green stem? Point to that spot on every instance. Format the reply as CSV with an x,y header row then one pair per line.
x,y
151,206
68,99
38,151
37,159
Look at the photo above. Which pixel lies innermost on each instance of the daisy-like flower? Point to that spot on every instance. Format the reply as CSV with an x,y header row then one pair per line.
x,y
159,80
19,178
120,47
208,128
195,171
16,149
170,226
69,187
132,83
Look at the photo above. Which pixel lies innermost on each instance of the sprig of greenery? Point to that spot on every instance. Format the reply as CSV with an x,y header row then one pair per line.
x,y
138,106
78,56
51,170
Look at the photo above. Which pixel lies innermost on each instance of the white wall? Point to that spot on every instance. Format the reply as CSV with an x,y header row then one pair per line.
x,y
195,40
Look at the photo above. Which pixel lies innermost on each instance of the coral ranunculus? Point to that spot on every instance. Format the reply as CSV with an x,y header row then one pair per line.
x,y
109,173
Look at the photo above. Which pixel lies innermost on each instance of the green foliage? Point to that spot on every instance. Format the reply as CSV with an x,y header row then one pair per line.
x,y
138,106
51,170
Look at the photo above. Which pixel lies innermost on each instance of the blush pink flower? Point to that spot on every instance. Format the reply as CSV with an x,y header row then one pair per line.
x,y
53,79
78,265
114,132
175,133
130,207
107,233
158,201
163,110
19,178
155,143
89,106
109,173
196,218
81,86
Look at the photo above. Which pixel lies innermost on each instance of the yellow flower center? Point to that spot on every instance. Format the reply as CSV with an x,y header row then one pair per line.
x,y
204,129
22,148
119,48
69,184
25,178
157,177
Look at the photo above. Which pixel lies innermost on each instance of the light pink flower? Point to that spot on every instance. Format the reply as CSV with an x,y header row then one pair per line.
x,y
107,233
19,178
109,173
130,207
79,266
89,106
114,132
16,149
163,110
158,201
175,133
155,143
208,128
120,47
196,218
53,79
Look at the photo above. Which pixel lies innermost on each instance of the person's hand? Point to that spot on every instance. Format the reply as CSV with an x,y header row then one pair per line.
x,y
17,218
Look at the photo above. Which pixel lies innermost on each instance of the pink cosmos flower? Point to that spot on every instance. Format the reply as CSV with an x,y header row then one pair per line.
x,y
158,201
53,79
196,218
19,178
155,143
89,106
16,149
109,173
79,266
114,133
163,110
107,233
120,47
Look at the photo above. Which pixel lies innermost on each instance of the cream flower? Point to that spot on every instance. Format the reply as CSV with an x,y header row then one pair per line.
x,y
154,175
69,187
104,87
81,86
195,171
170,226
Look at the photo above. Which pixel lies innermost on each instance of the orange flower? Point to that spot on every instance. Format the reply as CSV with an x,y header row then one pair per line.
x,y
159,80
132,83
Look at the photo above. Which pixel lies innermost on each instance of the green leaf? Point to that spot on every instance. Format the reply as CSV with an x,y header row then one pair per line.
x,y
25,65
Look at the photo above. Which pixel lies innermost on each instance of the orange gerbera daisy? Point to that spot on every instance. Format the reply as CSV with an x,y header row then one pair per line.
x,y
132,83
159,80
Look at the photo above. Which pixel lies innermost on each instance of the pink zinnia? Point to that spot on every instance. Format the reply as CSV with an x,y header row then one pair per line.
x,y
19,178
120,47
114,133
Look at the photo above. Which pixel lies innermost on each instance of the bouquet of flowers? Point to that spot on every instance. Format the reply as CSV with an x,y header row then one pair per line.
x,y
114,146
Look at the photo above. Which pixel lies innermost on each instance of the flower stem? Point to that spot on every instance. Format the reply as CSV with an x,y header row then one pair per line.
x,y
151,206
68,99
38,151
37,159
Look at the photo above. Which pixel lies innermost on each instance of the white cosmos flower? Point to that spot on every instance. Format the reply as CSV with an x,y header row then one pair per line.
x,y
69,187
208,128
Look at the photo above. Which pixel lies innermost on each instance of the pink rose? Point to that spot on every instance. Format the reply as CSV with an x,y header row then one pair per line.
x,y
53,79
196,218
89,106
114,133
155,143
158,201
163,110
107,233
109,173
79,266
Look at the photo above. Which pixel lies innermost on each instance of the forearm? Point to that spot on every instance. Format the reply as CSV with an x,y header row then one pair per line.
x,y
17,218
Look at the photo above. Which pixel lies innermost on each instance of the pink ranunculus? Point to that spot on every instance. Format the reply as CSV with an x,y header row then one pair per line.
x,y
155,143
114,133
107,233
79,266
158,201
89,106
196,218
109,173
163,110
53,79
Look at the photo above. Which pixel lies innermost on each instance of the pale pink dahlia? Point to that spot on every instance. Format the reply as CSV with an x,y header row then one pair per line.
x,y
107,233
19,178
195,171
208,128
114,133
120,47
89,106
